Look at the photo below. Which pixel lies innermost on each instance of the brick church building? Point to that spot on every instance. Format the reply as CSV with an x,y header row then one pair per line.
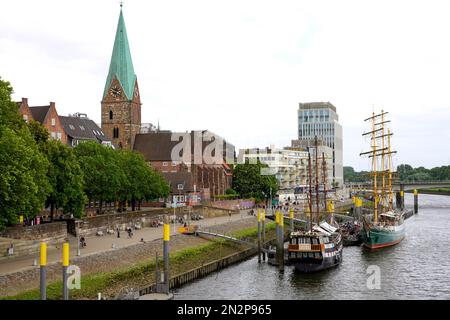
x,y
121,123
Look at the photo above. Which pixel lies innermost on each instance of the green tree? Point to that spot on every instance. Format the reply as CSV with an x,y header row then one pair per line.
x,y
404,171
142,182
248,181
40,134
23,168
104,176
66,179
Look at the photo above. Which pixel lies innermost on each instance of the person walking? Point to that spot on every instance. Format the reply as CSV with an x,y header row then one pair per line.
x,y
118,232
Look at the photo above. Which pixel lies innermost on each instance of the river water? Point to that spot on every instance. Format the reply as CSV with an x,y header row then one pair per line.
x,y
417,268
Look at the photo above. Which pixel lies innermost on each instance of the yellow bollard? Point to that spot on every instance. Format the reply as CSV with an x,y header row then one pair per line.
x,y
43,255
65,263
65,255
43,263
166,236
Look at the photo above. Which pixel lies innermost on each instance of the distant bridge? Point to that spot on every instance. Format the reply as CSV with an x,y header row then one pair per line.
x,y
405,186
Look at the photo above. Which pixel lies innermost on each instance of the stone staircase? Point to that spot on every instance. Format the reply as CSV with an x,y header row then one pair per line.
x,y
30,247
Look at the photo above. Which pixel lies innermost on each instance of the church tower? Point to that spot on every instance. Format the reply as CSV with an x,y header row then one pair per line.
x,y
121,104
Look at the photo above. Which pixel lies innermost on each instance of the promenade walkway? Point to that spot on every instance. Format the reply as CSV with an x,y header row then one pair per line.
x,y
97,244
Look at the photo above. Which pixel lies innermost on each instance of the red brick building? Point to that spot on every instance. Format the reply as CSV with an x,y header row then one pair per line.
x,y
47,116
189,181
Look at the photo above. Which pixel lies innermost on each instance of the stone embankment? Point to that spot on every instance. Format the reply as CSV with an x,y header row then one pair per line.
x,y
111,260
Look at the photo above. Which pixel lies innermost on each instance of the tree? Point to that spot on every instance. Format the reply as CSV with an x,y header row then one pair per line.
x,y
39,133
23,168
404,171
66,179
103,174
143,183
248,181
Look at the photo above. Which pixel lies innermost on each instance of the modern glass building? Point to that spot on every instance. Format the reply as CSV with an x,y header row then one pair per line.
x,y
321,119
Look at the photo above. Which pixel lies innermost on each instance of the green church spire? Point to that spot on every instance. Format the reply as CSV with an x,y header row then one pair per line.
x,y
121,65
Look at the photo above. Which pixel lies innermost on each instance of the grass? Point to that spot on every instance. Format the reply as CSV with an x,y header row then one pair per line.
x,y
109,283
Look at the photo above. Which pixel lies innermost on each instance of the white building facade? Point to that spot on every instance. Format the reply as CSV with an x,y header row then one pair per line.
x,y
320,119
288,165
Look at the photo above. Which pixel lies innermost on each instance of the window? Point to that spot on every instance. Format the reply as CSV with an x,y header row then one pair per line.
x,y
59,135
53,122
25,117
111,116
180,186
71,127
82,128
165,164
53,135
174,164
116,133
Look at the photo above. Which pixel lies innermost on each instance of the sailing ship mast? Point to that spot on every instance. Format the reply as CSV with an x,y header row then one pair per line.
x,y
310,192
374,167
317,181
391,194
383,151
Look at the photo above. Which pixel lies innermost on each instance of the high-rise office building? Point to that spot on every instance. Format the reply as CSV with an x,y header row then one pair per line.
x,y
321,119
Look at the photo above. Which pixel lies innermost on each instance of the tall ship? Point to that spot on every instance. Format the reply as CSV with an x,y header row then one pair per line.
x,y
319,246
383,226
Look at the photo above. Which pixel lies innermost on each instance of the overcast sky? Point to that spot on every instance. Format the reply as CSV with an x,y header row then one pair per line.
x,y
240,68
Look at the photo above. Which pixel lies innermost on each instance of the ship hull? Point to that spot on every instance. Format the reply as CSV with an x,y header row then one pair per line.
x,y
376,238
305,266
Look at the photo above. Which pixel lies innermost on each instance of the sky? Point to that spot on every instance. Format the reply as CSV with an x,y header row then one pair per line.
x,y
239,68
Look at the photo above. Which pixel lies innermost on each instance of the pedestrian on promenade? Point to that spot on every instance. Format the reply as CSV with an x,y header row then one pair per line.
x,y
118,232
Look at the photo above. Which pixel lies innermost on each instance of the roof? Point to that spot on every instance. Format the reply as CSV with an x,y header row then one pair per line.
x,y
155,146
121,65
158,146
82,128
39,113
181,177
317,105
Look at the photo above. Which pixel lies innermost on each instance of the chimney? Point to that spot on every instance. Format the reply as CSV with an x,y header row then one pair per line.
x,y
52,104
25,101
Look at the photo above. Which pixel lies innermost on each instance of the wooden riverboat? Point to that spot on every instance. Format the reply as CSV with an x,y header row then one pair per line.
x,y
316,250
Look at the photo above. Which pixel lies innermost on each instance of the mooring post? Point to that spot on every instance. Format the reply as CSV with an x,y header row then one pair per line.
x,y
259,235
43,271
402,201
398,200
277,233
291,216
358,205
65,263
263,220
416,201
353,206
166,240
281,256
